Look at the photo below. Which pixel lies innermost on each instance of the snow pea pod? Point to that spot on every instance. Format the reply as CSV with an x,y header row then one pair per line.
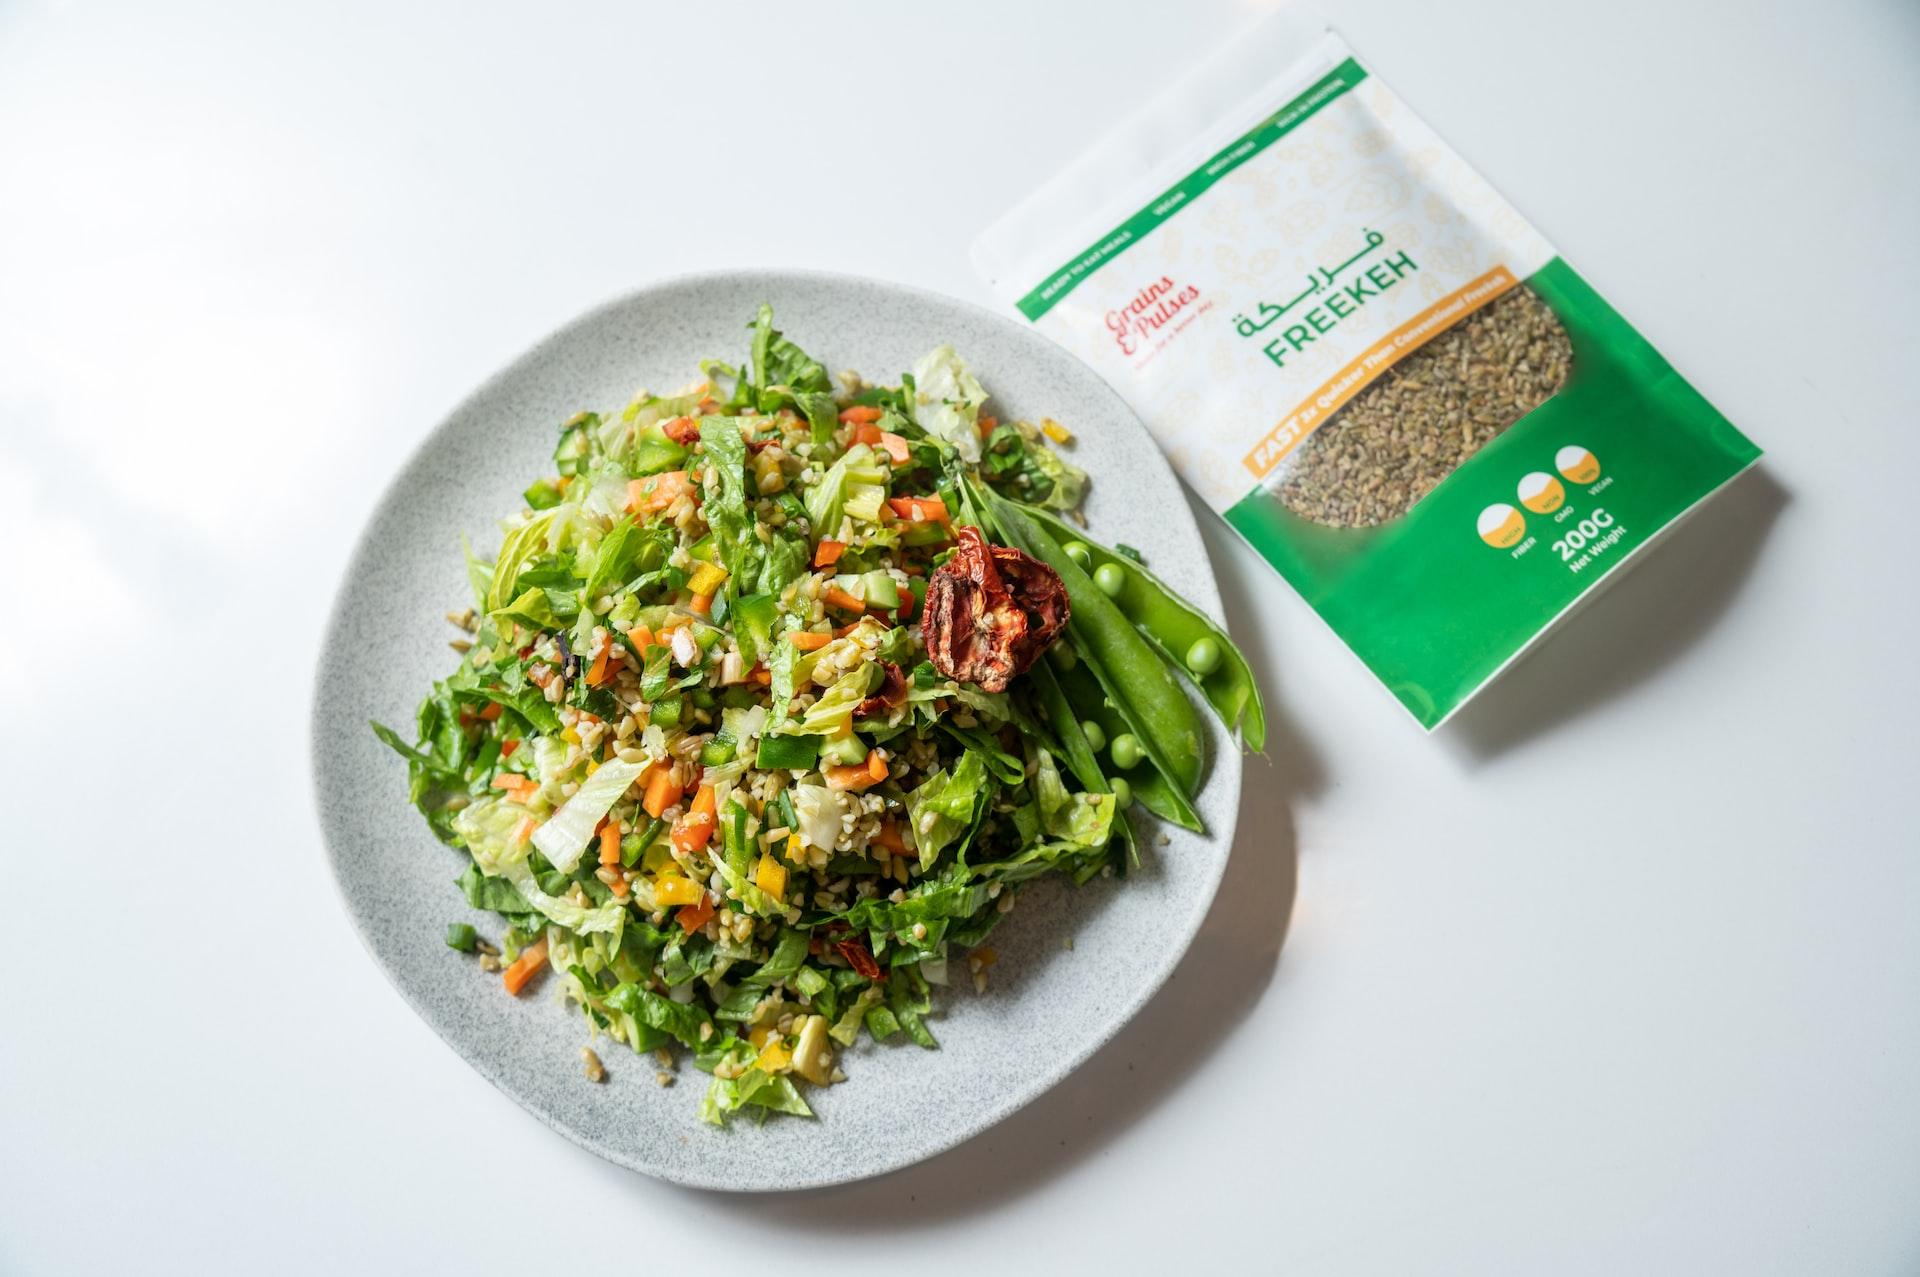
x,y
1130,671
1079,754
1150,789
1177,628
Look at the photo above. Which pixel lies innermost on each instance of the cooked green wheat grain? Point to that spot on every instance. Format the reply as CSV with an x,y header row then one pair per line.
x,y
1398,438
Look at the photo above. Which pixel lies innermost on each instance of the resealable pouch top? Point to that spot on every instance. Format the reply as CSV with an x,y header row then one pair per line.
x,y
1366,360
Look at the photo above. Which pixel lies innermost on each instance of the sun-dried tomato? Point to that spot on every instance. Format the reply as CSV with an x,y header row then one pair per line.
x,y
991,611
892,693
682,430
860,958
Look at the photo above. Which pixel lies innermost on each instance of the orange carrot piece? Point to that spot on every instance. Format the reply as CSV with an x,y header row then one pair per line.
x,y
522,969
867,434
890,837
876,766
661,790
610,843
808,640
762,675
703,801
492,711
641,637
987,425
896,447
645,496
695,916
839,598
858,776
828,553
598,673
692,832
702,604
860,415
920,509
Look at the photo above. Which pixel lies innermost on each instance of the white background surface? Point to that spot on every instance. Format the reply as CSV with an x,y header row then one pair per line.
x,y
1619,973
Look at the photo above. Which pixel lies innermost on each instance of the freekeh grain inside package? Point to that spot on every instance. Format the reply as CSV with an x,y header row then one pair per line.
x,y
1364,359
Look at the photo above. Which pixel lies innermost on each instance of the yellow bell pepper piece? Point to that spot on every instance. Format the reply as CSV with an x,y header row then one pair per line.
x,y
795,848
774,1057
1055,431
677,889
707,578
771,877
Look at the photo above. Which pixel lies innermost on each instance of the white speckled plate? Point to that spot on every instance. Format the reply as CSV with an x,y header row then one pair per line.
x,y
1048,1008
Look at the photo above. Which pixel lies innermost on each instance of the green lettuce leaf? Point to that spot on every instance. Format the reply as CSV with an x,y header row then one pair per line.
x,y
486,827
948,399
943,805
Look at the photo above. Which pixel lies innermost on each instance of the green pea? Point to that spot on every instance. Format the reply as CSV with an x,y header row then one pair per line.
x,y
1126,750
1063,656
1110,579
1122,792
1079,553
1096,735
1203,657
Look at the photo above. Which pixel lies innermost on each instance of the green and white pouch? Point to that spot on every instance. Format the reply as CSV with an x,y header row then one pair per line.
x,y
1364,359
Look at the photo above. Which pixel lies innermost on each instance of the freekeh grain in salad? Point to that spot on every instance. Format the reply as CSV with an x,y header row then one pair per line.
x,y
776,694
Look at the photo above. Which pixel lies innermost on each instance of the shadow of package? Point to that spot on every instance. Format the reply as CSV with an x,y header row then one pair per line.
x,y
1364,359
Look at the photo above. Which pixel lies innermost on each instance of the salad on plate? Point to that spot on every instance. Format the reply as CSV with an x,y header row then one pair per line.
x,y
776,693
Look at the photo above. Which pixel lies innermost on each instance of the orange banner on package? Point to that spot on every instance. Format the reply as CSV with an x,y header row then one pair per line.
x,y
1371,365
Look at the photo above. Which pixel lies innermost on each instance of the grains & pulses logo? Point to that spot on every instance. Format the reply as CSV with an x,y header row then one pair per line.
x,y
1151,311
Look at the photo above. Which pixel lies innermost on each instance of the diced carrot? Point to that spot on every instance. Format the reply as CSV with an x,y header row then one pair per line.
x,y
828,553
920,509
522,969
599,672
661,790
682,430
508,746
695,916
896,447
692,832
492,711
618,887
610,843
867,434
762,675
509,781
890,837
876,766
808,640
645,496
987,425
860,415
524,830
837,597
846,629
858,776
701,605
641,637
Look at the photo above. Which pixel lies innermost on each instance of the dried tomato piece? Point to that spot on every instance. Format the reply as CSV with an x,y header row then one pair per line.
x,y
682,430
860,958
892,693
991,611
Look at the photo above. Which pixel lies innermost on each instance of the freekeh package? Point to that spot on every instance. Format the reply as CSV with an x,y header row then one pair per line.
x,y
1364,359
